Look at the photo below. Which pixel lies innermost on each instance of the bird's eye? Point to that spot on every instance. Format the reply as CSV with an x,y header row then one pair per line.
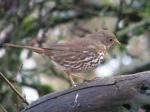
x,y
111,40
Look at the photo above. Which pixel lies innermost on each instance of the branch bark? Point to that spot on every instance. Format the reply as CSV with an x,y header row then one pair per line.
x,y
102,95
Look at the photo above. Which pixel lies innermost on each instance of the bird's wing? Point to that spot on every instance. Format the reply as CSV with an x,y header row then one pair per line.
x,y
75,45
64,53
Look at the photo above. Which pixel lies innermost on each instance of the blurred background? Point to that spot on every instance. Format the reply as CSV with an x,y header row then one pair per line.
x,y
43,22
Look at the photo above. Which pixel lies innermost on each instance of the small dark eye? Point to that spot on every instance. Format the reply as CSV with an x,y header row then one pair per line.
x,y
110,40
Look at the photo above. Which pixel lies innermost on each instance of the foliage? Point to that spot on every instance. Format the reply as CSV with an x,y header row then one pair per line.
x,y
29,21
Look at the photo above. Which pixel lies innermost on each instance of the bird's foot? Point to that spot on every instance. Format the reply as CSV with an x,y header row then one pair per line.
x,y
72,81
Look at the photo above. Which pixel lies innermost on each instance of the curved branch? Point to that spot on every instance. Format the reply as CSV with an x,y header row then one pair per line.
x,y
101,95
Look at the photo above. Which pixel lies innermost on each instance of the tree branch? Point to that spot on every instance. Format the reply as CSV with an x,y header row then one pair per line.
x,y
132,27
101,95
13,88
3,108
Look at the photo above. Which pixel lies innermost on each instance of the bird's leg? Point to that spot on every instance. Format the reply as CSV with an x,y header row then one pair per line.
x,y
80,77
70,78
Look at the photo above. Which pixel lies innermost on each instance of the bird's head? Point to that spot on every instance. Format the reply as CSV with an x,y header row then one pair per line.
x,y
106,37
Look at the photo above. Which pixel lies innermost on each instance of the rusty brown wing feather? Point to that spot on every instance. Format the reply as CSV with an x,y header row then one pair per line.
x,y
73,54
70,48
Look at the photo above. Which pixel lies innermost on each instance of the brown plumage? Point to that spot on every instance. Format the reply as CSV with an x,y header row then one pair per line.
x,y
80,54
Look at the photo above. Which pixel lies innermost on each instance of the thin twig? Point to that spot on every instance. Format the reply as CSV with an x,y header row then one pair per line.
x,y
131,27
3,108
13,88
20,68
120,9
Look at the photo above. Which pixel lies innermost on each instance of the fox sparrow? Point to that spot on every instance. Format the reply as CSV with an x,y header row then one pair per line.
x,y
80,54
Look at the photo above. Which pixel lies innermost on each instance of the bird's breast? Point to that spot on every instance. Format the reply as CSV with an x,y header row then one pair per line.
x,y
88,62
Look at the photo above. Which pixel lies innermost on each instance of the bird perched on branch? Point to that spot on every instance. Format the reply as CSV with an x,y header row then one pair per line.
x,y
78,55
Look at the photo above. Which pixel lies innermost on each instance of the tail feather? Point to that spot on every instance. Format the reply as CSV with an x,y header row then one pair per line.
x,y
34,49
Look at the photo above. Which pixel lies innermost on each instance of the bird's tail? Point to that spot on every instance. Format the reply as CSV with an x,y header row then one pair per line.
x,y
34,49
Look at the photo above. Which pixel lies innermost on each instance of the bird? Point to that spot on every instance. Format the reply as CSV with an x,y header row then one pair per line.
x,y
79,54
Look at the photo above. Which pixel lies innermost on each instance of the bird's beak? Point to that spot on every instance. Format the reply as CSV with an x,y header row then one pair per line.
x,y
116,41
